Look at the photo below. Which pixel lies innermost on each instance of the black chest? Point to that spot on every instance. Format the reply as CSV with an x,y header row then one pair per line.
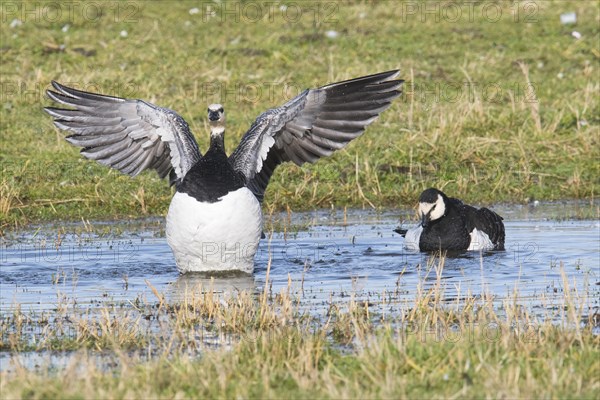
x,y
211,178
447,233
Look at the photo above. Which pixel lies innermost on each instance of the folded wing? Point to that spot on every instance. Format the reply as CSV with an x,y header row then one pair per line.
x,y
491,223
127,135
312,125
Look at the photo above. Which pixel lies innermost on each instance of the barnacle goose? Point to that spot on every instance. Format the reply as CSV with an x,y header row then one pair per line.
x,y
449,224
214,222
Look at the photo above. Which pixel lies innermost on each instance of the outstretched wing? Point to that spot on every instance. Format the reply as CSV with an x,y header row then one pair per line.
x,y
128,135
312,125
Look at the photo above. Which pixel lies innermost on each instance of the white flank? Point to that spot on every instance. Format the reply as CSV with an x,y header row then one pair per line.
x,y
412,238
220,236
480,241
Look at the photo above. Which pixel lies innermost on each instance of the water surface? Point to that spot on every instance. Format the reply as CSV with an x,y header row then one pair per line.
x,y
326,255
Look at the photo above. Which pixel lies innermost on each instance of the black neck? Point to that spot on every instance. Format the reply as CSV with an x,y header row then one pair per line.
x,y
212,177
217,143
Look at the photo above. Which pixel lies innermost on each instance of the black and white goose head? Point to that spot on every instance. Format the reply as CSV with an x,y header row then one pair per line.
x,y
216,119
432,206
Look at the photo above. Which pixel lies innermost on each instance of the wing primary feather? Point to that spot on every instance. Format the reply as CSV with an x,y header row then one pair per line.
x,y
96,140
79,94
312,125
344,125
128,135
336,134
316,150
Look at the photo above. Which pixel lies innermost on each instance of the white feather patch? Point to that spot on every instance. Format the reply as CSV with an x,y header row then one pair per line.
x,y
167,137
480,241
412,238
267,143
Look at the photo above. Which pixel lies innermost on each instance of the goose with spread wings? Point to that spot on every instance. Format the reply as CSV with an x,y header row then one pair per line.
x,y
214,222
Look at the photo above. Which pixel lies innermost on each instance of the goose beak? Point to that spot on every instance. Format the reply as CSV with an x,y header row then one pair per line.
x,y
424,220
213,116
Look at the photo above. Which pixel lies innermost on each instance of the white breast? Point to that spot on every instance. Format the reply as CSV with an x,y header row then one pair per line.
x,y
218,236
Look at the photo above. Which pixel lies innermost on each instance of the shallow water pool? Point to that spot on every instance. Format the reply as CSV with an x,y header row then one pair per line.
x,y
326,256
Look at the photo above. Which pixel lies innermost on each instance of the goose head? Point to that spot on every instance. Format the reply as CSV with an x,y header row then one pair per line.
x,y
432,206
216,118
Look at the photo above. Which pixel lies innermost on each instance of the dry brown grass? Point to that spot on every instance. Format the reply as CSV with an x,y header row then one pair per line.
x,y
193,341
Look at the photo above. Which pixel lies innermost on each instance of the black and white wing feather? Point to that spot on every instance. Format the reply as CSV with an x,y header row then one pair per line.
x,y
128,135
486,221
491,223
312,125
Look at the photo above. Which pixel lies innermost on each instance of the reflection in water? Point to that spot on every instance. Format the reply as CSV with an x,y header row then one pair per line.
x,y
195,284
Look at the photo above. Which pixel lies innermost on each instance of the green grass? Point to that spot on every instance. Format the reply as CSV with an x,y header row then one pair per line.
x,y
506,144
309,368
468,123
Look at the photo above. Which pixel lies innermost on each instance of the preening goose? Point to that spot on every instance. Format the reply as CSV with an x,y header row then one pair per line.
x,y
449,224
214,220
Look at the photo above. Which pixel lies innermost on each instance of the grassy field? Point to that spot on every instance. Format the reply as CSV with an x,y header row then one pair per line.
x,y
500,101
268,347
500,104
